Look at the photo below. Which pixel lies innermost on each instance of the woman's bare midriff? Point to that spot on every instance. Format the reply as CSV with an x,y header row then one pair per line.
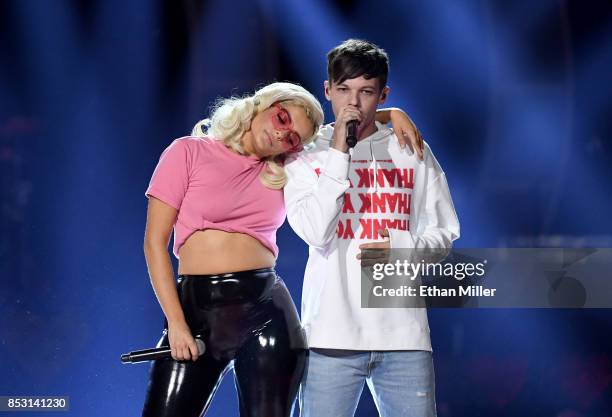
x,y
213,251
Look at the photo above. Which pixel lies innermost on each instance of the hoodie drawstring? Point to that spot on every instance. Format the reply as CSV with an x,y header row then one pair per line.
x,y
375,166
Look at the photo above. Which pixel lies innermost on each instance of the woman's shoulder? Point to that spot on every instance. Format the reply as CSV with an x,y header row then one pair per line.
x,y
197,141
198,146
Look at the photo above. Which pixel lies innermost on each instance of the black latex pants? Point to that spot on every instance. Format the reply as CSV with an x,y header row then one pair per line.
x,y
247,320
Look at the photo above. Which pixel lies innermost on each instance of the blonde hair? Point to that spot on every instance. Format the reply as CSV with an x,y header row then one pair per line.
x,y
231,117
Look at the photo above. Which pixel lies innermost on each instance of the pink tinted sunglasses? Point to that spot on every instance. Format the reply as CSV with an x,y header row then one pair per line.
x,y
281,119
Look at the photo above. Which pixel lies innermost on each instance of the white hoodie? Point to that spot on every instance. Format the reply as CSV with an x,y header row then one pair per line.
x,y
335,204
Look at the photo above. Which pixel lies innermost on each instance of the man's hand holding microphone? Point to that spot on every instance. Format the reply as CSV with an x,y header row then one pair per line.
x,y
345,128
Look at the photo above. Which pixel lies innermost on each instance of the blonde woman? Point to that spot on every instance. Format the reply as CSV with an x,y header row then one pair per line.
x,y
221,191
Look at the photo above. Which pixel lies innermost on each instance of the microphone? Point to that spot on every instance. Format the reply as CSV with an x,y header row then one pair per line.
x,y
156,353
351,133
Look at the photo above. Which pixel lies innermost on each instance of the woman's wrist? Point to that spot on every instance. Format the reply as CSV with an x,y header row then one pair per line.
x,y
383,115
395,112
388,114
178,321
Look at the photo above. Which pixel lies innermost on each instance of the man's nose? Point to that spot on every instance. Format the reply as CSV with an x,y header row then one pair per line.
x,y
354,99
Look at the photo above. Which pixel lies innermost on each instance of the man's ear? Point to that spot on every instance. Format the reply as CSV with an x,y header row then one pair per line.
x,y
326,87
383,95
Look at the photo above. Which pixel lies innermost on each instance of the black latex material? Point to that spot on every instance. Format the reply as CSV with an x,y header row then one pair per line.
x,y
249,322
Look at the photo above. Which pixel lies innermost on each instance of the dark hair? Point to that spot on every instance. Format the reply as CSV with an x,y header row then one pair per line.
x,y
354,58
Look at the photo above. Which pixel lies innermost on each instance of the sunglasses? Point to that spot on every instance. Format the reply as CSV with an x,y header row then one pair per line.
x,y
281,119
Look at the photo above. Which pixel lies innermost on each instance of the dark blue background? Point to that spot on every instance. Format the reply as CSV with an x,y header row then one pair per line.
x,y
513,97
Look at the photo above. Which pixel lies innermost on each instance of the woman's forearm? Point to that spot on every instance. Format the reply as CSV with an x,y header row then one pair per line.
x,y
383,115
161,274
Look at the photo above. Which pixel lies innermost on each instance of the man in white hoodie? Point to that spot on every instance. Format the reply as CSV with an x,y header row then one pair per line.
x,y
340,202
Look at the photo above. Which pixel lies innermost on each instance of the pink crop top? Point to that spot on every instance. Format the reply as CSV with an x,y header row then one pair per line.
x,y
213,187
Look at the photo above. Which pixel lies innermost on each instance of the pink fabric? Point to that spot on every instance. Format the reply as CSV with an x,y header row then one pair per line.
x,y
213,187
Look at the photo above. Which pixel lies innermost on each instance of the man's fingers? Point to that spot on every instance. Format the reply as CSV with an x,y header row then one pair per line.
x,y
374,245
366,263
350,114
370,262
374,254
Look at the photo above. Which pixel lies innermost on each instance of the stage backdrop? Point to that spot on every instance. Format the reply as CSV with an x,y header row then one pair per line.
x,y
513,98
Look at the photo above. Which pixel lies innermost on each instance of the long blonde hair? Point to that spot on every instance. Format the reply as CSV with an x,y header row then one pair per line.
x,y
231,117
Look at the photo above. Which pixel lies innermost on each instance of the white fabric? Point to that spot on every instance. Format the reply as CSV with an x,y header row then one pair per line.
x,y
406,194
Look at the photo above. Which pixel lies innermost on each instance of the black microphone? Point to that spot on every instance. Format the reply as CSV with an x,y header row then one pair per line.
x,y
351,133
156,353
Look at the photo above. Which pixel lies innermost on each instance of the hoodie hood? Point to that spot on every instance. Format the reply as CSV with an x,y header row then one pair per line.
x,y
381,133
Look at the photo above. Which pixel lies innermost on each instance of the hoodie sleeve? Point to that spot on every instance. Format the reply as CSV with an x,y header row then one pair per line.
x,y
314,203
438,226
